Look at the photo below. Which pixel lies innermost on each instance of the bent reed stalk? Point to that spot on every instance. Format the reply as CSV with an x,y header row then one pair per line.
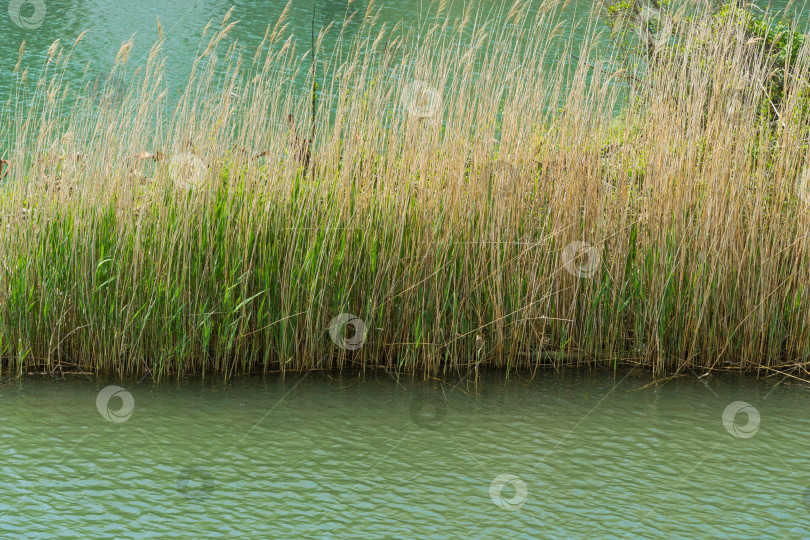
x,y
453,165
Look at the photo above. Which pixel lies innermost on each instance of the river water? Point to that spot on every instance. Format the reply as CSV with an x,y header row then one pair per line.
x,y
39,23
109,24
596,455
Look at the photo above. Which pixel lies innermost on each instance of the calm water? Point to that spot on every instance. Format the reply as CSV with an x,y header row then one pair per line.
x,y
110,23
573,456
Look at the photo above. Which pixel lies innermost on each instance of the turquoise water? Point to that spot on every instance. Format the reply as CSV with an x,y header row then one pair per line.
x,y
39,23
109,24
316,456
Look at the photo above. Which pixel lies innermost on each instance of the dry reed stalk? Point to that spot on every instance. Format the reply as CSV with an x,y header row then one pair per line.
x,y
473,204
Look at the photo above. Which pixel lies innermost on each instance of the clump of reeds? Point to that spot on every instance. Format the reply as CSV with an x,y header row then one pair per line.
x,y
469,202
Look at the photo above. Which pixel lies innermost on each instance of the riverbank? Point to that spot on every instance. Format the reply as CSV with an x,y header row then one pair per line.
x,y
449,214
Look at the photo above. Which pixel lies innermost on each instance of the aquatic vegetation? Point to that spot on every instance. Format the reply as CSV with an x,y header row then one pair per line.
x,y
459,205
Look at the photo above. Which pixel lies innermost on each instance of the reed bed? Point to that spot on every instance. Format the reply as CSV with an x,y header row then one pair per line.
x,y
469,203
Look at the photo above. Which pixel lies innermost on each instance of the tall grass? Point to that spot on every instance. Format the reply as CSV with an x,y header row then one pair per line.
x,y
451,166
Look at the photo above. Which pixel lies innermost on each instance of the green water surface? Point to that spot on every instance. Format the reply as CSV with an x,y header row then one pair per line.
x,y
315,456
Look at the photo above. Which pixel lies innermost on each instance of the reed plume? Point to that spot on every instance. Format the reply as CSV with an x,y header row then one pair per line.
x,y
470,201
